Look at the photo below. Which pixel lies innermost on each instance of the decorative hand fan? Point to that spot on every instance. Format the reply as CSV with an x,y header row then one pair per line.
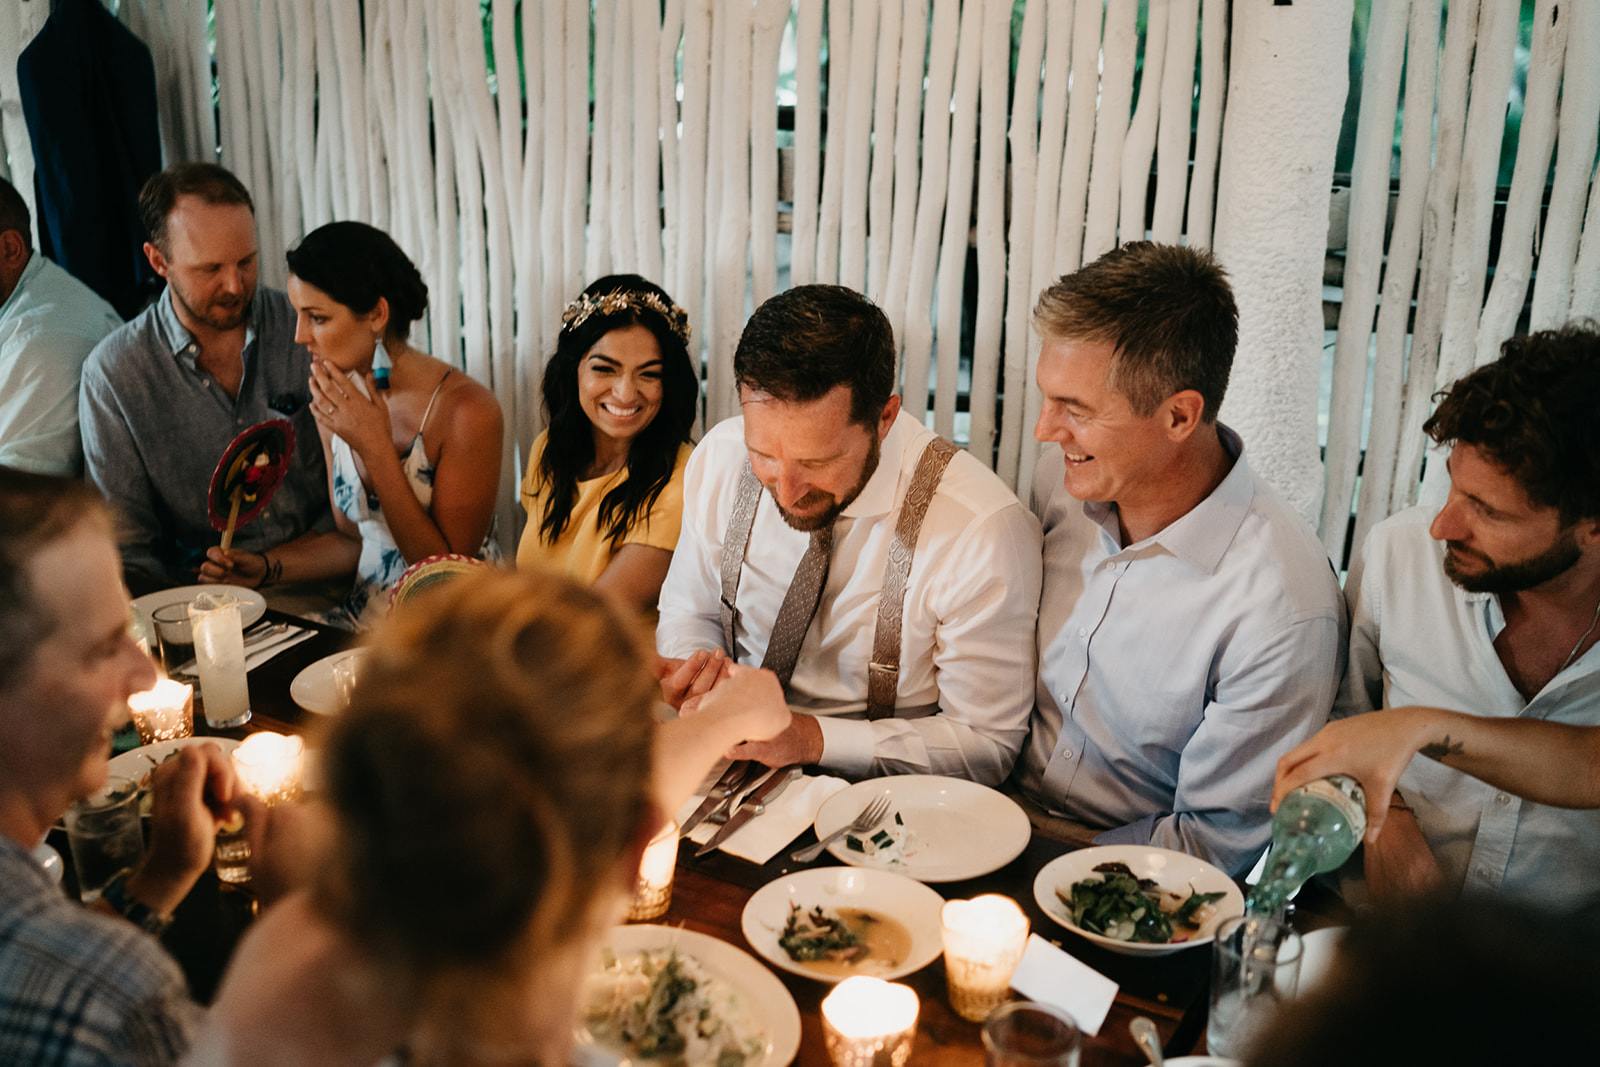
x,y
249,472
426,573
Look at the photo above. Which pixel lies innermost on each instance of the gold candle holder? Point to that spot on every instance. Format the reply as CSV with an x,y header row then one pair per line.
x,y
984,939
652,892
868,1022
163,713
268,766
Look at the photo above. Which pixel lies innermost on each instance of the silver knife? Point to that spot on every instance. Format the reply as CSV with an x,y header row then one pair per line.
x,y
754,804
723,792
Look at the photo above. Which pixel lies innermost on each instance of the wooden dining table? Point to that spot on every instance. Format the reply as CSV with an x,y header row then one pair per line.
x,y
709,896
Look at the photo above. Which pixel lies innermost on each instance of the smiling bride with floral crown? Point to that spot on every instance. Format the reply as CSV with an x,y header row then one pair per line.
x,y
604,489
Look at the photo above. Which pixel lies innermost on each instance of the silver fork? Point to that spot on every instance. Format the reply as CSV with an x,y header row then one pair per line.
x,y
870,816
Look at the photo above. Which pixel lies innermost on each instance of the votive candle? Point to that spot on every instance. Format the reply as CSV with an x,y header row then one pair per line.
x,y
269,766
163,713
652,893
868,1022
984,939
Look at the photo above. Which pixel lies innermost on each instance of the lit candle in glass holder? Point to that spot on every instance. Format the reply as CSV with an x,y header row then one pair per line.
x,y
268,766
652,893
984,939
163,713
869,1023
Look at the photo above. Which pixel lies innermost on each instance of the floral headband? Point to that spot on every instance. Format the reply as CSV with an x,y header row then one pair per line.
x,y
578,312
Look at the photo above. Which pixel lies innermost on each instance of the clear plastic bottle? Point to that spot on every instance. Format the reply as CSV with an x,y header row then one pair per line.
x,y
1316,829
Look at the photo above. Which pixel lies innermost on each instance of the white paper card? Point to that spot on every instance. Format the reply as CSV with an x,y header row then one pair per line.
x,y
1053,977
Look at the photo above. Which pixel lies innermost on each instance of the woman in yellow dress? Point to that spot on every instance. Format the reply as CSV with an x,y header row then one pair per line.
x,y
604,488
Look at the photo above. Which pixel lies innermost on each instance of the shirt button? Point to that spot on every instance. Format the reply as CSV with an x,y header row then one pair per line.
x,y
1483,872
1083,631
1111,565
1502,798
1067,753
1066,698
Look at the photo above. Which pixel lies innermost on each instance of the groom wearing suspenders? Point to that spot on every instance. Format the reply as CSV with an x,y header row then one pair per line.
x,y
890,580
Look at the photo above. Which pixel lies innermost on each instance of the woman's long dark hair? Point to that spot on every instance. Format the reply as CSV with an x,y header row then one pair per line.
x,y
569,448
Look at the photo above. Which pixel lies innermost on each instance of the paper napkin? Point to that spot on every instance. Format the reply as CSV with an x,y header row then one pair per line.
x,y
1052,976
786,818
255,657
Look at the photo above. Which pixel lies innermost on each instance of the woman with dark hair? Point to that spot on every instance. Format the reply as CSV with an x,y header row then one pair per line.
x,y
412,445
604,489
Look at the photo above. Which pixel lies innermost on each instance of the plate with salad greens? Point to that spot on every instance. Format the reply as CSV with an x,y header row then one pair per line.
x,y
668,997
1137,900
937,829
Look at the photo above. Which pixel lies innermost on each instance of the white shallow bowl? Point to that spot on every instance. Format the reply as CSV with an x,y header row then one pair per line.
x,y
252,605
768,1002
958,829
893,896
1178,872
313,688
138,762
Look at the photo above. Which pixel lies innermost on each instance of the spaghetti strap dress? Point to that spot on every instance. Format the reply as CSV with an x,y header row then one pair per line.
x,y
382,563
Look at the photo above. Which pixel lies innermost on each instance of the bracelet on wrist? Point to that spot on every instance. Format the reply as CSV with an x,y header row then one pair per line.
x,y
1398,802
141,915
270,571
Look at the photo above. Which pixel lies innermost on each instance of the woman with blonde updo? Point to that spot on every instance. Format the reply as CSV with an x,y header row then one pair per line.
x,y
489,790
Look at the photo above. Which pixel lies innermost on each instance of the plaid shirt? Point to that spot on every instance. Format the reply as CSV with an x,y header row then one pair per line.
x,y
78,988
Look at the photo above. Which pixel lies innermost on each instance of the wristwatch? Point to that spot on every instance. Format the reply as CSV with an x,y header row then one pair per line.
x,y
141,915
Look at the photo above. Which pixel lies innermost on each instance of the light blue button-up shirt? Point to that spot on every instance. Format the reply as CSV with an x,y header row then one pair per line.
x,y
1417,638
48,325
1173,672
154,426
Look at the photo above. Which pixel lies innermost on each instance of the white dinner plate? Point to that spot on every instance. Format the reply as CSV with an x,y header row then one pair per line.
x,y
1177,872
769,1004
138,763
313,688
950,829
252,605
894,896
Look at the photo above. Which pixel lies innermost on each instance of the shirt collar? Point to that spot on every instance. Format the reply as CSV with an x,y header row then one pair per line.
x,y
35,265
1202,535
877,496
182,343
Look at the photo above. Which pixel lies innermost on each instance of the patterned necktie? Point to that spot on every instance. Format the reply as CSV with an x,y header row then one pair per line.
x,y
799,605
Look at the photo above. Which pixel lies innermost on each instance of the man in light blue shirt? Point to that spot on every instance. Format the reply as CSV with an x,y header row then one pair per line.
x,y
1490,606
49,321
1191,629
162,397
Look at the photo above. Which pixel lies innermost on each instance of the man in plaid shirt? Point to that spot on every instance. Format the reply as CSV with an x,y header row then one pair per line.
x,y
84,985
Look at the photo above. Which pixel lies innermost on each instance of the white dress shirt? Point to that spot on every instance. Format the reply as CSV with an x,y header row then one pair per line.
x,y
966,654
1176,670
1417,638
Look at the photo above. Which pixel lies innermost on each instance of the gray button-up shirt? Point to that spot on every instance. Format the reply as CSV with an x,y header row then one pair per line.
x,y
155,424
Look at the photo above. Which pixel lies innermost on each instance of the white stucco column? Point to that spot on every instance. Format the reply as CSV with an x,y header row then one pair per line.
x,y
1286,90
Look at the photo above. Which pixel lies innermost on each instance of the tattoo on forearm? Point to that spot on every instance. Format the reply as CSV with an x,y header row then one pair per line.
x,y
1438,750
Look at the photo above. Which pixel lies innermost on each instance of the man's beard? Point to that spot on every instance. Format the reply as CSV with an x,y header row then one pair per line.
x,y
215,316
1523,574
809,523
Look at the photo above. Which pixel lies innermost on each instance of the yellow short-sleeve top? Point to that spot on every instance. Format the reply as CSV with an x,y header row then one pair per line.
x,y
584,551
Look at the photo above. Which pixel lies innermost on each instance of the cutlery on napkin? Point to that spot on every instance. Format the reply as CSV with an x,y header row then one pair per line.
x,y
788,814
259,646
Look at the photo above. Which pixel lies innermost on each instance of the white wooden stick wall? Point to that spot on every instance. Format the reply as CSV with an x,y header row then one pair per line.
x,y
904,163
1438,244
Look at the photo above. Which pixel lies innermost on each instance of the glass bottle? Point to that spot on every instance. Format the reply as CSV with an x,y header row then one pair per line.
x,y
1316,829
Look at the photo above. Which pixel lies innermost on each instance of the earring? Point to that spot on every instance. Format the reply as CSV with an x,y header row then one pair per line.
x,y
381,364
